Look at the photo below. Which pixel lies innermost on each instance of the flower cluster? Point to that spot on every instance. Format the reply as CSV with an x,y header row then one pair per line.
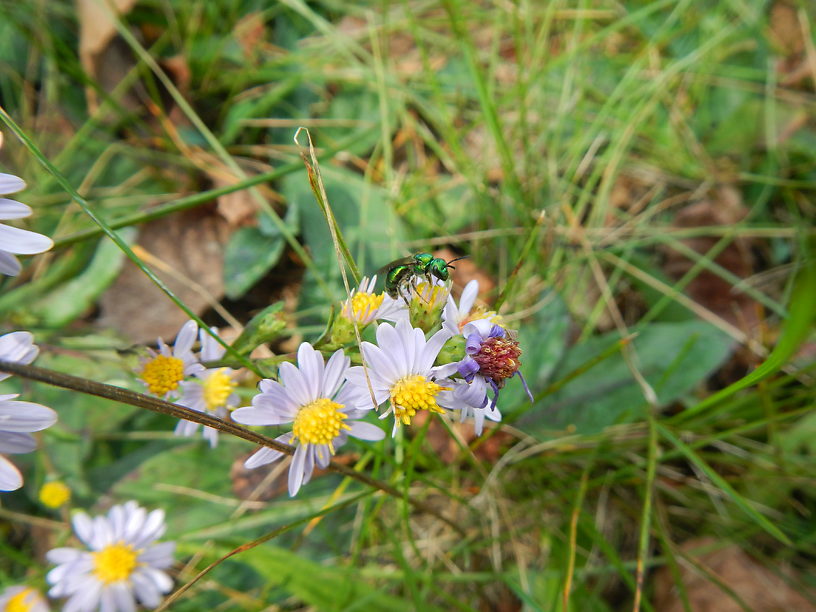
x,y
426,353
178,374
18,419
122,563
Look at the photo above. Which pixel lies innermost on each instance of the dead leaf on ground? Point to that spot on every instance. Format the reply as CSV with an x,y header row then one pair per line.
x,y
102,58
724,208
466,271
761,588
191,245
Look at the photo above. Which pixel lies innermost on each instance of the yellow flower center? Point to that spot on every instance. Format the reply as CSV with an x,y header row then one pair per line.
x,y
114,563
430,296
413,393
54,494
479,312
319,422
218,387
18,603
163,374
363,304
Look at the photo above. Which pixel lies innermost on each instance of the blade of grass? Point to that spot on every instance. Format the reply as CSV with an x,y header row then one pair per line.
x,y
718,480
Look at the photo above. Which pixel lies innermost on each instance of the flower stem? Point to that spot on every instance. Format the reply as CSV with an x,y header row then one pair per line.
x,y
126,396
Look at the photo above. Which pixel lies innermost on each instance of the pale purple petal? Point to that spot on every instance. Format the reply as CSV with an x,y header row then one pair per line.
x,y
11,209
211,349
16,443
365,431
186,338
250,415
431,350
296,470
10,183
25,416
23,242
296,387
10,477
18,347
121,597
9,264
334,373
310,365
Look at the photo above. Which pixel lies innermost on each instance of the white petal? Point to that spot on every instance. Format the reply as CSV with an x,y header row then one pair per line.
x,y
122,595
22,242
158,555
262,457
335,373
186,338
9,264
278,401
391,343
18,347
431,350
366,431
10,477
469,294
16,443
211,349
250,415
296,470
10,183
25,416
310,364
296,386
83,527
12,209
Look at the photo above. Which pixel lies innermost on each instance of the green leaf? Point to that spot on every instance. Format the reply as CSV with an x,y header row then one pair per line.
x,y
249,255
338,589
543,342
673,357
723,485
77,296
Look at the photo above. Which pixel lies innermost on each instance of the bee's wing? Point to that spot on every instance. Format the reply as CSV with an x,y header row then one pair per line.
x,y
402,261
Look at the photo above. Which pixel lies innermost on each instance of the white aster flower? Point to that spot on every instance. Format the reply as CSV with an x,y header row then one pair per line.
x,y
166,368
400,369
18,419
13,240
121,566
22,599
454,318
211,390
365,306
322,407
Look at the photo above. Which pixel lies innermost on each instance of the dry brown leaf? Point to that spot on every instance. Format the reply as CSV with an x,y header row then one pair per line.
x,y
723,208
191,245
467,270
250,31
761,588
785,31
97,30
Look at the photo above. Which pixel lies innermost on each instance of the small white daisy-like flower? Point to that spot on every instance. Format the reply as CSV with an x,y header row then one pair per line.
x,y
20,598
211,390
13,240
400,368
122,565
166,368
323,409
454,318
365,306
18,419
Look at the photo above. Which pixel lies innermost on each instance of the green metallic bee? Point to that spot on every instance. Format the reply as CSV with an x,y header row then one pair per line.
x,y
400,273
